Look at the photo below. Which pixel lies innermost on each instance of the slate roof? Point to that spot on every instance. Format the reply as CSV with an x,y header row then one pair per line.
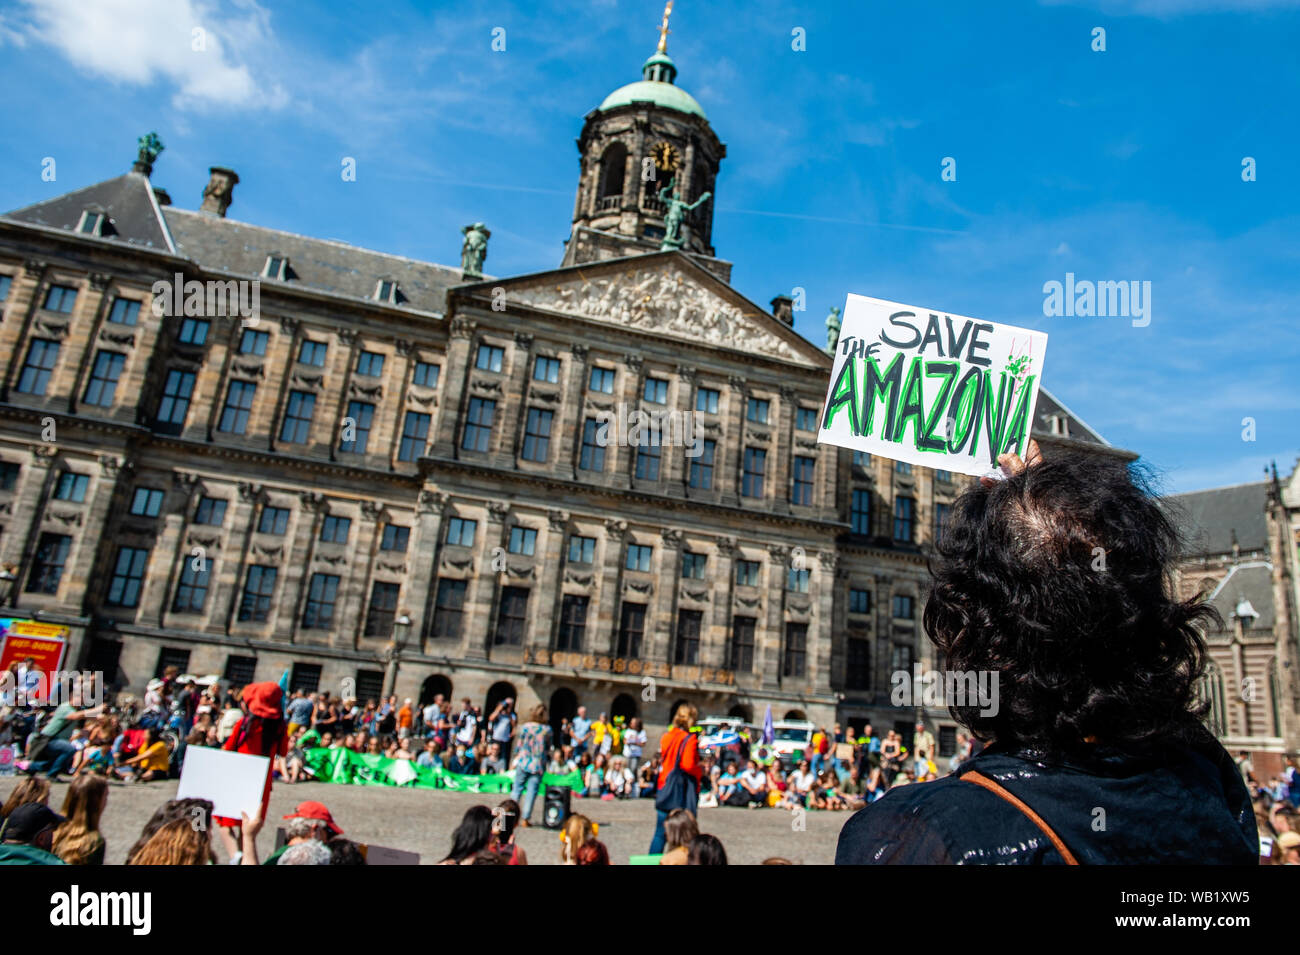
x,y
128,201
1209,518
1049,406
1253,581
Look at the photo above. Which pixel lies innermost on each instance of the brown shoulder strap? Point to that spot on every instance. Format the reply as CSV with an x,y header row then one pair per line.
x,y
979,779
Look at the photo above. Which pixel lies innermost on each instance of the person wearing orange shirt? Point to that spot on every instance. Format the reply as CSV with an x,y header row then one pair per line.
x,y
679,749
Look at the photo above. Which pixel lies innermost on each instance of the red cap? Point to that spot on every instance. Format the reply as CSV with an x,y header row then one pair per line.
x,y
315,810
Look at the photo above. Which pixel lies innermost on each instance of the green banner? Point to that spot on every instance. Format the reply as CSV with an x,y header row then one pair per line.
x,y
367,769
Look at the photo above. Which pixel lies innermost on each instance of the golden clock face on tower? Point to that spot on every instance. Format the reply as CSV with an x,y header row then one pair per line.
x,y
665,156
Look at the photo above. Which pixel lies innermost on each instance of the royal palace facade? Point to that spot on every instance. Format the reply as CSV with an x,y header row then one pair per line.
x,y
241,451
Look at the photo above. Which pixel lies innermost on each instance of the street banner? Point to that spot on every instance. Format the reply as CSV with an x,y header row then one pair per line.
x,y
367,769
929,388
45,643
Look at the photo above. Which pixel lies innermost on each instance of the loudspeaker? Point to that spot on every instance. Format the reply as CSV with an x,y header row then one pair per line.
x,y
555,806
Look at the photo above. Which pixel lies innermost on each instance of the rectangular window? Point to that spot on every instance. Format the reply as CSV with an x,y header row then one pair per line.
x,y
941,515
146,502
192,591
104,376
796,581
305,677
537,435
72,486
312,353
687,648
258,590
904,606
602,380
747,573
706,400
656,391
756,410
947,740
489,358
805,419
321,596
274,520
47,569
415,436
382,613
169,657
902,467
801,491
862,459
647,462
355,434
426,374
60,298
857,672
239,403
702,465
8,475
859,601
630,630
945,476
128,577
194,331
460,532
42,355
512,616
335,530
448,608
297,417
693,565
395,538
593,453
860,514
740,654
240,671
546,369
175,402
900,660
370,364
523,540
796,650
211,511
755,464
253,342
573,623
904,519
478,424
6,282
582,550
370,684
638,557
125,311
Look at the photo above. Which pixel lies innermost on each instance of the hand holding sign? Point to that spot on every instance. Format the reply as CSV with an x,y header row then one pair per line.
x,y
930,388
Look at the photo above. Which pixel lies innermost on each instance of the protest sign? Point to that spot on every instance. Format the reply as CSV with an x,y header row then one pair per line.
x,y
45,643
382,855
925,387
234,782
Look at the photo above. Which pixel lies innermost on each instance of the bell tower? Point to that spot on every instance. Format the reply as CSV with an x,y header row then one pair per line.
x,y
648,169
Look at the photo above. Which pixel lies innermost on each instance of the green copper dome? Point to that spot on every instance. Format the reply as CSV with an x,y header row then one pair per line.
x,y
656,87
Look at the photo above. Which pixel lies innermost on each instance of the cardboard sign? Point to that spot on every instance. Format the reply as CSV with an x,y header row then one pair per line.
x,y
381,855
45,643
844,752
234,782
929,388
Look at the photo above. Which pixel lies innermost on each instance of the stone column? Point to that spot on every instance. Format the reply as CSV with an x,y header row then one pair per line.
x,y
280,355
821,648
168,550
769,641
714,635
663,608
675,467
423,555
212,380
484,589
19,545
114,469
727,474
342,361
512,409
545,620
24,300
225,587
569,416
620,459
455,393
296,567
354,589
603,628
784,464
82,338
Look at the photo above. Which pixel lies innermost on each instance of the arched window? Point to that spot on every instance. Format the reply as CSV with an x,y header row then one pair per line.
x,y
432,686
563,706
624,705
496,693
741,712
613,171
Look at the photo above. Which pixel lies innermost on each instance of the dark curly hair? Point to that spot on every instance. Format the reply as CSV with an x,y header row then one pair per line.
x,y
1059,579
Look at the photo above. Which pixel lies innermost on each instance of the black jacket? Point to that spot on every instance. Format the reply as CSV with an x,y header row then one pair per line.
x,y
1184,806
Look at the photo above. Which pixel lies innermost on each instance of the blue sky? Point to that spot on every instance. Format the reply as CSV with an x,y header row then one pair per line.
x,y
1115,165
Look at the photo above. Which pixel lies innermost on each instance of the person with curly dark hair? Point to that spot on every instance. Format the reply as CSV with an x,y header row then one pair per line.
x,y
1053,587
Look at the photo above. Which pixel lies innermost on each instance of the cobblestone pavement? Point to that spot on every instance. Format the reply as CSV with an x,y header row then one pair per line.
x,y
421,820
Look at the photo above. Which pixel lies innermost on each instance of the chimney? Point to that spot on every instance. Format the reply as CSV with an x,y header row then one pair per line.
x,y
783,309
219,192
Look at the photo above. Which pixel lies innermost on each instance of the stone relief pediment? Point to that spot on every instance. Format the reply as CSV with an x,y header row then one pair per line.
x,y
665,299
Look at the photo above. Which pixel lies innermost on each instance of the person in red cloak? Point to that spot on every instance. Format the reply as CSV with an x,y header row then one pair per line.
x,y
261,732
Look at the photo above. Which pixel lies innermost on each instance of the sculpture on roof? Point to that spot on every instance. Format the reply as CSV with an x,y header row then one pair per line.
x,y
474,251
150,146
832,330
677,207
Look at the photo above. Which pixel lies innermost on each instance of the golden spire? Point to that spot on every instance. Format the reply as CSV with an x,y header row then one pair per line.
x,y
663,28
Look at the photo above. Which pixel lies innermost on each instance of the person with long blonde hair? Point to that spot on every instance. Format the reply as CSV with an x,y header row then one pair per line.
x,y
680,771
31,789
578,830
78,841
177,843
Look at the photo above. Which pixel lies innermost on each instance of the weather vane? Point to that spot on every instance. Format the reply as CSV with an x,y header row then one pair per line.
x,y
663,27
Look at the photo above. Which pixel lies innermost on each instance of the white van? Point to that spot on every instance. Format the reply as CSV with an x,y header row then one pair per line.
x,y
793,736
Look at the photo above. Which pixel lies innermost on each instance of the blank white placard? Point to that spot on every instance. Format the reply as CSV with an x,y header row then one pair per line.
x,y
234,782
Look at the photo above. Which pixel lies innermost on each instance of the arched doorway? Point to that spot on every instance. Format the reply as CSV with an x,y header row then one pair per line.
x,y
495,694
432,686
741,712
624,705
794,715
673,709
563,706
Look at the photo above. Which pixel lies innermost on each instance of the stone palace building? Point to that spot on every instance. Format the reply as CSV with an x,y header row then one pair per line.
x,y
240,451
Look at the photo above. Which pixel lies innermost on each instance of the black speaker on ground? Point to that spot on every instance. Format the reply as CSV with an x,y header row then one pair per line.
x,y
555,806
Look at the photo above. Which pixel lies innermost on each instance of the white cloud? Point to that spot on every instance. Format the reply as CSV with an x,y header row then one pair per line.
x,y
1163,9
192,45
